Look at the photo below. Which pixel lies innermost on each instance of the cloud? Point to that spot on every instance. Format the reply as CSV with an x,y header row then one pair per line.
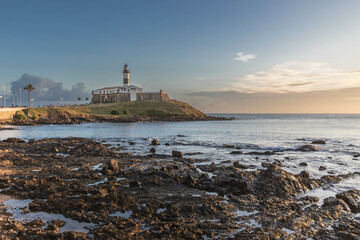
x,y
47,89
297,77
328,101
244,57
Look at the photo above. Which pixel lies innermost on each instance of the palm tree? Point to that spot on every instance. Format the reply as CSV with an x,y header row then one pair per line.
x,y
79,99
29,88
87,99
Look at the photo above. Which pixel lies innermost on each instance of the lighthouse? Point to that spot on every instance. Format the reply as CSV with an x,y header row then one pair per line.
x,y
126,74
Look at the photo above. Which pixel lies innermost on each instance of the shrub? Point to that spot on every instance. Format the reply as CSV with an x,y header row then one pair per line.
x,y
114,112
35,117
19,116
157,113
126,111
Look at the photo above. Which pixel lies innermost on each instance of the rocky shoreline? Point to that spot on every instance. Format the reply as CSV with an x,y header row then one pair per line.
x,y
78,188
69,120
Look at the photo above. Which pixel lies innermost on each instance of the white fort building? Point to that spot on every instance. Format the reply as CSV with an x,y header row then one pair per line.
x,y
126,92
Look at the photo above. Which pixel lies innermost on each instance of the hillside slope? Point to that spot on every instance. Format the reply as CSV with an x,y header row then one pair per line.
x,y
119,112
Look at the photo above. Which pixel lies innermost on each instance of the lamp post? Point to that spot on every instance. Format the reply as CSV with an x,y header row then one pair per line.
x,y
20,98
4,96
12,96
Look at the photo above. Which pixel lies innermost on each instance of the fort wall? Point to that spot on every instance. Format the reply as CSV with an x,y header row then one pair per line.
x,y
125,97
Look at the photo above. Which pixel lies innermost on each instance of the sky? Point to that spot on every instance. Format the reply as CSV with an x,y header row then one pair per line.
x,y
219,55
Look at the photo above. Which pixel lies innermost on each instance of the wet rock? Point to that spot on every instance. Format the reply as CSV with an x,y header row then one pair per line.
x,y
307,148
17,226
177,154
266,153
239,165
318,142
38,205
167,144
113,165
75,236
155,142
190,181
322,168
352,199
332,201
236,152
134,184
304,164
5,163
59,223
132,143
14,140
304,174
36,223
152,150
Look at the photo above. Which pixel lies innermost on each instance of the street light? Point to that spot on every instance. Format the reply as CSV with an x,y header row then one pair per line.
x,y
12,95
20,97
4,96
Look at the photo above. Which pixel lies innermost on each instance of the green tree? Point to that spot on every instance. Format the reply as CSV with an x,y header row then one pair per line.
x,y
79,99
87,99
29,88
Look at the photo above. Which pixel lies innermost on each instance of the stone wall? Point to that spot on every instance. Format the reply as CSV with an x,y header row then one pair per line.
x,y
125,97
8,113
111,97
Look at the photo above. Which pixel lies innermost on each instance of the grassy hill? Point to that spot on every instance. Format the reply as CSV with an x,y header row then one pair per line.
x,y
124,110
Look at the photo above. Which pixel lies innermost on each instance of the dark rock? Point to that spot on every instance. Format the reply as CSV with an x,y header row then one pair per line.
x,y
17,226
36,223
239,165
59,223
177,154
190,181
152,150
236,152
14,140
75,235
132,143
304,174
304,164
113,165
352,199
307,148
155,142
318,142
134,184
167,144
266,153
332,201
322,168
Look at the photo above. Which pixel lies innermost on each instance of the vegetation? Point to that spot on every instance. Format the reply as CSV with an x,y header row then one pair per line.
x,y
29,88
114,112
122,110
20,115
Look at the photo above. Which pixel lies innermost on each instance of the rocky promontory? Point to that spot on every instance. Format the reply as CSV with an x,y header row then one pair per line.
x,y
77,188
112,112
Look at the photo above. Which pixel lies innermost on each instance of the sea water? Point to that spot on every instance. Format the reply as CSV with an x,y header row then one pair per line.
x,y
214,140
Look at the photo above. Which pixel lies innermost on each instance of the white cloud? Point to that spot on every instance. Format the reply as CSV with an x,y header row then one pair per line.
x,y
297,77
244,57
